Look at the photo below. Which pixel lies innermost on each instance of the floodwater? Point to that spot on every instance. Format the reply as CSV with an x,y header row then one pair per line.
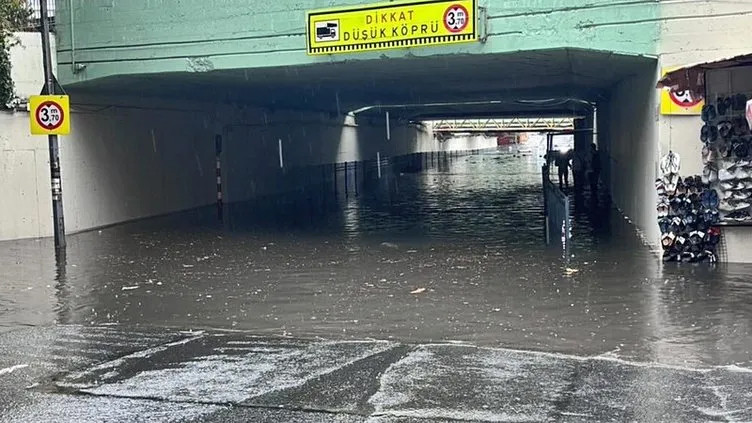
x,y
453,253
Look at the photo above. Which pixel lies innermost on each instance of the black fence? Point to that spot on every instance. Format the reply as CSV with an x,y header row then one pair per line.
x,y
35,20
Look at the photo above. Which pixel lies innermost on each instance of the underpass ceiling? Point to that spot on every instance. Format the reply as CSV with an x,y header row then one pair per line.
x,y
496,80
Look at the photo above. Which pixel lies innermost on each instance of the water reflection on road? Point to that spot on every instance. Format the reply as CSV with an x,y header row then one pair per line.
x,y
466,236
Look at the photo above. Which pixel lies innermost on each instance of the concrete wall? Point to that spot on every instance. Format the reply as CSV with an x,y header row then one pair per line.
x,y
27,70
309,140
144,36
25,199
627,135
134,158
121,162
24,166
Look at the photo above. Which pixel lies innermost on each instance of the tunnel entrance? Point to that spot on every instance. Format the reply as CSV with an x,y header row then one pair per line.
x,y
342,201
307,127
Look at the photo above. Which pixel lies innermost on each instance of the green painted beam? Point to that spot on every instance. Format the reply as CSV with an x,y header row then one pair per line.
x,y
149,37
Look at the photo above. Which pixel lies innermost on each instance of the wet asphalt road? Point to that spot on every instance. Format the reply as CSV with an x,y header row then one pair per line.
x,y
118,374
295,312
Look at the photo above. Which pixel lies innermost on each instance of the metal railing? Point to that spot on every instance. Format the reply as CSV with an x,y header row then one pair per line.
x,y
556,209
35,20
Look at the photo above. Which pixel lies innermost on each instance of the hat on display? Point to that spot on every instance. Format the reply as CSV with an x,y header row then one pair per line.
x,y
727,164
667,240
724,129
709,175
708,133
739,216
676,225
670,255
709,199
727,205
723,105
660,188
709,154
740,173
741,195
740,102
688,256
711,217
739,126
724,175
681,187
670,181
664,223
689,182
741,150
708,113
696,237
678,206
720,105
702,225
689,220
724,150
741,205
663,209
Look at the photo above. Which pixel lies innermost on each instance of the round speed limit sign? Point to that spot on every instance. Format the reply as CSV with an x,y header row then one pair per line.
x,y
50,115
456,18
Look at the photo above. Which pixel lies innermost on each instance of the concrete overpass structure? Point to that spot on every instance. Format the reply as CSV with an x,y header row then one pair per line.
x,y
154,83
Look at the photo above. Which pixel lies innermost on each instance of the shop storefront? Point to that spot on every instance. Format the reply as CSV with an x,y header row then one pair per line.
x,y
719,214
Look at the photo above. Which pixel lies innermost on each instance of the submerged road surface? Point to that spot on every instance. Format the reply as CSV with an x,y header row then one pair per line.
x,y
430,297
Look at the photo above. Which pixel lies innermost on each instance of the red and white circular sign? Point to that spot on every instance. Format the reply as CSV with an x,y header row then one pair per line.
x,y
456,18
49,115
684,98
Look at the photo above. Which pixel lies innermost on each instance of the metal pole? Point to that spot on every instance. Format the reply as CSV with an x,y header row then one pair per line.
x,y
57,189
388,131
378,163
217,153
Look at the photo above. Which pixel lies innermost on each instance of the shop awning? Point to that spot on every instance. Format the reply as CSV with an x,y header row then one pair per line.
x,y
692,77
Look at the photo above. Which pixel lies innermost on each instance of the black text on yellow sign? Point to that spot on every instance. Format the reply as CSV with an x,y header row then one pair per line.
x,y
50,114
391,25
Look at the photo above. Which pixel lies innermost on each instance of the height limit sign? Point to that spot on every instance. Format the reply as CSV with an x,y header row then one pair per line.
x,y
50,114
456,18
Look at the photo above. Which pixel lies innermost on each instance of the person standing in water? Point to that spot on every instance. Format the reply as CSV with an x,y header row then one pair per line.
x,y
579,167
562,164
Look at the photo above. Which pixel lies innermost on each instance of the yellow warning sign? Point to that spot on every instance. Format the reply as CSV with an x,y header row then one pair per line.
x,y
391,25
682,102
50,114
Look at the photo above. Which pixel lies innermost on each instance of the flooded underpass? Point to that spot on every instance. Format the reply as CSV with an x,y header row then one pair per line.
x,y
441,268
